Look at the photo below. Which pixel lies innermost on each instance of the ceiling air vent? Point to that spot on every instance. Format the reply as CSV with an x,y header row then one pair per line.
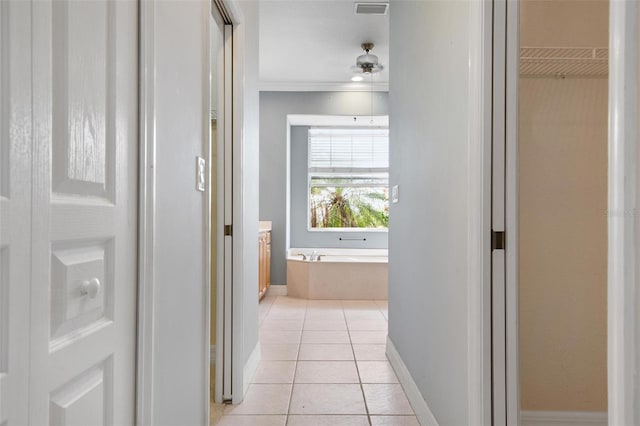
x,y
371,8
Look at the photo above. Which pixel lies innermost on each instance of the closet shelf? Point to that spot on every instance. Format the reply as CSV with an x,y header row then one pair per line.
x,y
564,61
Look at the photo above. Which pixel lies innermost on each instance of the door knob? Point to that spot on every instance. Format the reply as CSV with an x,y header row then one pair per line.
x,y
90,288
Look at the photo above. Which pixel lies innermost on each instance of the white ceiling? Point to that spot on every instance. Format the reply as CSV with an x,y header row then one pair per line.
x,y
312,44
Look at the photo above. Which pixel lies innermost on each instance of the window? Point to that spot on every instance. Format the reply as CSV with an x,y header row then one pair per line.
x,y
348,178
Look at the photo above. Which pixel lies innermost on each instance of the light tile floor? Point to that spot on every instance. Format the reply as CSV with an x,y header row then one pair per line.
x,y
323,363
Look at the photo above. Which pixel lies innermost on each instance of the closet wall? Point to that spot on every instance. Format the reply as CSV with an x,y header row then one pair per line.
x,y
563,202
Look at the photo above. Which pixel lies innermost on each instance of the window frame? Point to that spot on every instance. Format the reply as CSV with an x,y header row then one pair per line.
x,y
314,171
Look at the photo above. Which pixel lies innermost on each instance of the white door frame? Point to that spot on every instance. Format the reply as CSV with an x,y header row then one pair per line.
x,y
493,379
623,226
146,217
502,196
224,280
479,207
512,65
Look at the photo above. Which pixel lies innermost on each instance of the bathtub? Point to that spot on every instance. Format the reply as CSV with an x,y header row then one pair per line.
x,y
339,274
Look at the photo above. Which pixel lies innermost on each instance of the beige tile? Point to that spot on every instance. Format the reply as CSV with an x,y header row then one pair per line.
x,y
376,372
268,300
289,299
327,399
286,315
394,421
312,336
368,305
216,411
264,309
325,325
331,420
262,399
288,307
325,304
279,351
386,399
326,372
278,420
275,372
280,336
382,304
367,325
325,352
261,318
275,308
370,352
282,324
368,337
283,299
324,315
364,315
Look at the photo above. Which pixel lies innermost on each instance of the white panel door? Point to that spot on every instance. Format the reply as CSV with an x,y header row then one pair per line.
x,y
84,222
15,216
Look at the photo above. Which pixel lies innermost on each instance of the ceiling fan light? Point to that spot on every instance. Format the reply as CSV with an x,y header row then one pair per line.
x,y
367,63
366,59
357,78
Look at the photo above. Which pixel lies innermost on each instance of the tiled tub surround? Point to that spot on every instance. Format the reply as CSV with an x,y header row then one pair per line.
x,y
323,363
340,274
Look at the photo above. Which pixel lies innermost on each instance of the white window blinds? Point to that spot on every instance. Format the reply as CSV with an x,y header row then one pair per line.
x,y
348,148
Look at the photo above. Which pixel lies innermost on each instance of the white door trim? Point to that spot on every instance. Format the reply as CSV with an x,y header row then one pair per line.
x,y
146,217
511,213
479,180
499,213
504,210
225,244
623,288
239,353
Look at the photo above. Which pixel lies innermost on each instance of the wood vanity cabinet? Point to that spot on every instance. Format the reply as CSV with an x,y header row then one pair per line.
x,y
264,258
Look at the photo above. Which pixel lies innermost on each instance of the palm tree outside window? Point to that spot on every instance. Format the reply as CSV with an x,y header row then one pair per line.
x,y
348,178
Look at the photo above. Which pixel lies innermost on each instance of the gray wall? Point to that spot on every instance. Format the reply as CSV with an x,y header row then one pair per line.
x,y
180,241
274,108
428,104
299,231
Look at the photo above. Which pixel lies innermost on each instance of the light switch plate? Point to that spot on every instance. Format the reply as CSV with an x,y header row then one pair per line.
x,y
201,167
394,194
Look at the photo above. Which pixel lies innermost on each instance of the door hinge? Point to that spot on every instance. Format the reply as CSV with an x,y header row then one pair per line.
x,y
497,240
228,230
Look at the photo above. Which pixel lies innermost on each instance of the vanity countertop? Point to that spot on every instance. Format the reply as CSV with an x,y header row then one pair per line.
x,y
264,226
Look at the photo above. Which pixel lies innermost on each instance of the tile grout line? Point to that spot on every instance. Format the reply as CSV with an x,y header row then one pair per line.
x,y
297,360
364,398
306,317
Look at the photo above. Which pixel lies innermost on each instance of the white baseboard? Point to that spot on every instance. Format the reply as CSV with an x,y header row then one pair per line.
x,y
419,405
212,355
563,418
251,366
277,290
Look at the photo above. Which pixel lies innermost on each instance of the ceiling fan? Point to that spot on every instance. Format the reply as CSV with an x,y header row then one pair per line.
x,y
367,63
